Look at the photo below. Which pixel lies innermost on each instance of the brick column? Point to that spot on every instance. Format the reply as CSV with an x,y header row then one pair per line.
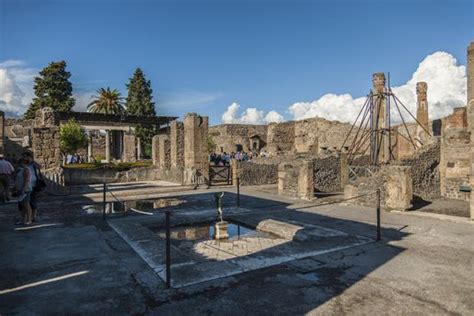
x,y
177,144
305,181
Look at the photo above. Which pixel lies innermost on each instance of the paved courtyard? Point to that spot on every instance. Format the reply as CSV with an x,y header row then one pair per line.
x,y
73,262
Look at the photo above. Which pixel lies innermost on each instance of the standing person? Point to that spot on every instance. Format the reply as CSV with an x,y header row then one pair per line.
x,y
37,183
6,171
24,189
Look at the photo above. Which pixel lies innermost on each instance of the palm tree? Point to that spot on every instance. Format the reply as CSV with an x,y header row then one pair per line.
x,y
107,102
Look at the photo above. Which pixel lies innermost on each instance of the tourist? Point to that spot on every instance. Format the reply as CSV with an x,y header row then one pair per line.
x,y
6,171
37,183
23,190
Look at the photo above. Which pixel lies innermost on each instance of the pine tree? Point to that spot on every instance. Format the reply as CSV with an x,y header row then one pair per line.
x,y
52,89
140,102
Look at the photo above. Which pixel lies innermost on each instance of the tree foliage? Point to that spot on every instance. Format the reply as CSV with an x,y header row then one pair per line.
x,y
71,137
107,102
140,102
52,89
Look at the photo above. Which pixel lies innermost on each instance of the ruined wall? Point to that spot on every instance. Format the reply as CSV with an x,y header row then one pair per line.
x,y
177,144
327,174
46,139
281,137
164,152
454,165
255,174
228,136
18,135
288,179
424,171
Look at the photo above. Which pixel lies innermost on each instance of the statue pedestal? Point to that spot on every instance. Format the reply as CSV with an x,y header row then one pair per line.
x,y
220,230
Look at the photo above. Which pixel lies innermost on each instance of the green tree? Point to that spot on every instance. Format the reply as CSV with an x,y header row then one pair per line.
x,y
71,137
52,89
107,102
140,102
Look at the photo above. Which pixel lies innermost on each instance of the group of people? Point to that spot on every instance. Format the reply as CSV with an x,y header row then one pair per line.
x,y
28,181
223,159
76,158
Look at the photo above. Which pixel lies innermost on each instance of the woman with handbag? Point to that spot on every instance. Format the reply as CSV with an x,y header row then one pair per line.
x,y
23,191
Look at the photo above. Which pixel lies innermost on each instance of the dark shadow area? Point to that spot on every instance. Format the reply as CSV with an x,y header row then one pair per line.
x,y
418,202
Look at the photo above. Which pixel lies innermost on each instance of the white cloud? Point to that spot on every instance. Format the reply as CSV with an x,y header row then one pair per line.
x,y
249,116
273,117
16,87
447,88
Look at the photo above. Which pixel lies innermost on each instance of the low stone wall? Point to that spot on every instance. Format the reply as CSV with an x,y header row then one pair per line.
x,y
327,174
84,176
425,171
255,174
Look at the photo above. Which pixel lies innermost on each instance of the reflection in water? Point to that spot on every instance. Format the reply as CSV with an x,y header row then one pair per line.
x,y
206,231
141,205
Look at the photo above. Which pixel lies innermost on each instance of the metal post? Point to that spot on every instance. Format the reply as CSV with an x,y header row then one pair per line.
x,y
238,191
168,250
104,200
378,214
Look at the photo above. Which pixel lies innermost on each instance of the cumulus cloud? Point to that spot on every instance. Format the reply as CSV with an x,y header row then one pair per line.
x,y
447,88
249,116
16,87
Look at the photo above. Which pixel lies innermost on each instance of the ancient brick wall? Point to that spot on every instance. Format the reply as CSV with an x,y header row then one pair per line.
x,y
454,163
227,137
288,179
327,174
46,147
256,174
281,137
177,144
164,152
425,171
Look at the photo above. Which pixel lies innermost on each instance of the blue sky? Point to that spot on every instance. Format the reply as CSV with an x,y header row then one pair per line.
x,y
204,55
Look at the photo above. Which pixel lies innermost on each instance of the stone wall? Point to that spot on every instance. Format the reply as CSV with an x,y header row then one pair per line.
x,y
281,137
177,144
155,150
454,163
288,179
327,174
424,171
254,174
228,137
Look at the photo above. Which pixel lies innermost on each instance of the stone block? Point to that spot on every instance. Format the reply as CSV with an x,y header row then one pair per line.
x,y
398,188
164,152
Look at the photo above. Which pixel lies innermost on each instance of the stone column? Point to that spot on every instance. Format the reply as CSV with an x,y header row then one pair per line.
x,y
107,146
306,181
195,148
470,108
139,149
129,148
344,170
155,150
380,141
89,149
422,112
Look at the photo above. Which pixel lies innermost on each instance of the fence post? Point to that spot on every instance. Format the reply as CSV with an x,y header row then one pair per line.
x,y
238,191
168,250
378,214
104,200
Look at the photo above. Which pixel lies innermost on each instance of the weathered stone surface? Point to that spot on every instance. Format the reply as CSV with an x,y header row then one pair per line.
x,y
398,188
254,174
177,144
164,151
129,148
232,137
196,162
155,150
